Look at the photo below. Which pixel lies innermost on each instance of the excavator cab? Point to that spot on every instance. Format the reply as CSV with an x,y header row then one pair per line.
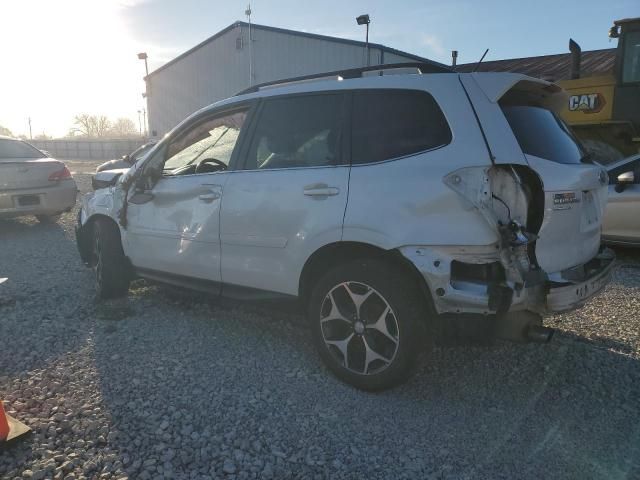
x,y
604,109
626,102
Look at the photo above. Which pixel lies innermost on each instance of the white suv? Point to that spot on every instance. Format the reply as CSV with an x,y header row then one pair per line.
x,y
382,198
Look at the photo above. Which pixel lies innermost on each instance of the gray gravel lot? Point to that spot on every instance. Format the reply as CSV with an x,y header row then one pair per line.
x,y
178,386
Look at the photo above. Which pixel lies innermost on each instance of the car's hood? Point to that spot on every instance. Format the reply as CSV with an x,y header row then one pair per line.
x,y
109,176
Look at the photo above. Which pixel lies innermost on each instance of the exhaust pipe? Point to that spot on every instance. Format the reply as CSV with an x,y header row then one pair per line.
x,y
576,53
539,334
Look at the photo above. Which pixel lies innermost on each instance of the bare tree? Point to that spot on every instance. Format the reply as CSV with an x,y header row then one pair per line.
x,y
5,131
123,127
90,126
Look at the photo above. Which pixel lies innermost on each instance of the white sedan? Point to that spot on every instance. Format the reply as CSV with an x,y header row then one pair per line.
x,y
31,183
621,224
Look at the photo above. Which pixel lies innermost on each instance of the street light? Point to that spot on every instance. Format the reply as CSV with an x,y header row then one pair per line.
x,y
365,20
143,56
145,94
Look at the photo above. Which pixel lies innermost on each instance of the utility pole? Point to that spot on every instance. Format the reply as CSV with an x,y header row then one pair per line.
x,y
30,134
247,12
139,122
144,121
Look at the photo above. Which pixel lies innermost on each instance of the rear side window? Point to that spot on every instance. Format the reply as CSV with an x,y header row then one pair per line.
x,y
388,124
15,149
298,132
542,133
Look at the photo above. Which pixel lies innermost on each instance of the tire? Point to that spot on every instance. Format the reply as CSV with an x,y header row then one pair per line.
x,y
47,219
110,266
396,338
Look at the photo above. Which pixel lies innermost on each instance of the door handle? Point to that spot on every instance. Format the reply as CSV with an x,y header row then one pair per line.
x,y
209,197
320,190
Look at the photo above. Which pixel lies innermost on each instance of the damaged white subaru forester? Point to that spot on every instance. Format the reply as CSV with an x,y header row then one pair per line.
x,y
381,197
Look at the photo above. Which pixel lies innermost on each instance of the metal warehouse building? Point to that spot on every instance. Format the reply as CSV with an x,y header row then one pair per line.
x,y
242,55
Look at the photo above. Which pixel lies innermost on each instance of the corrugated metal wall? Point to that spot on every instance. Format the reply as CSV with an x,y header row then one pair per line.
x,y
220,69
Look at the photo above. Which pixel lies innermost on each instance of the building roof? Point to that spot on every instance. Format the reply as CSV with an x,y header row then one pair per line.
x,y
298,34
550,67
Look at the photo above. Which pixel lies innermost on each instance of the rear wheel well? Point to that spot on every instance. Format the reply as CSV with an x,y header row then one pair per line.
x,y
335,254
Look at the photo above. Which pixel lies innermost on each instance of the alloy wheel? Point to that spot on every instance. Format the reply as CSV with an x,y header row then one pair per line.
x,y
359,328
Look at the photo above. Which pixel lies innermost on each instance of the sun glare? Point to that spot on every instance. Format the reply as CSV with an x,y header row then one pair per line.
x,y
67,57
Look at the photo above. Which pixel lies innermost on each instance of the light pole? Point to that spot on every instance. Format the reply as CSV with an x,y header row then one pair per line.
x,y
30,134
365,20
144,121
139,122
144,56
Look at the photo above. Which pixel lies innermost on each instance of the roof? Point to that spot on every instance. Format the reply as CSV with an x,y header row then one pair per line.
x,y
550,67
627,20
422,67
294,33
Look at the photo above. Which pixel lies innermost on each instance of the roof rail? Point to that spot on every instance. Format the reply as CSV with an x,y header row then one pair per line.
x,y
421,67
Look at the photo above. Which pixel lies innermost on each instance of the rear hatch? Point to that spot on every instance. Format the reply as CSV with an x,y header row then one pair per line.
x,y
530,133
575,190
22,174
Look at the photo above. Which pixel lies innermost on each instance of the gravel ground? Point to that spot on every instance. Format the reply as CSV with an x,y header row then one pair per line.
x,y
176,386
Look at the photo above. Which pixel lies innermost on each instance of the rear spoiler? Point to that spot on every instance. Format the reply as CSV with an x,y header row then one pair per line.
x,y
497,85
484,90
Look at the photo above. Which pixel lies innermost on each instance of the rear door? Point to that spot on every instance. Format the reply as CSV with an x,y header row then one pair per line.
x,y
289,196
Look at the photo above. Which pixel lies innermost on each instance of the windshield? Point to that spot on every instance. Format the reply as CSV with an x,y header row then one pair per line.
x,y
542,133
140,151
18,150
631,60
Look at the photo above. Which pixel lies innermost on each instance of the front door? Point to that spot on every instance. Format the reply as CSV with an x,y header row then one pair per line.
x,y
173,228
289,198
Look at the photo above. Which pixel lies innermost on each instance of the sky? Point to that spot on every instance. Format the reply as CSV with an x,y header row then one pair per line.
x,y
65,57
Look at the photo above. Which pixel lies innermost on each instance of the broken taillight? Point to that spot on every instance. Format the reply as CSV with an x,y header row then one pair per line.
x,y
60,175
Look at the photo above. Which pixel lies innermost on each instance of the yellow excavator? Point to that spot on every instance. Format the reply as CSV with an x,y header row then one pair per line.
x,y
604,110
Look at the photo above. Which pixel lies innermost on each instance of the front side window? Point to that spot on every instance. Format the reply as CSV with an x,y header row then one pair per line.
x,y
295,132
631,58
389,124
15,149
541,133
206,147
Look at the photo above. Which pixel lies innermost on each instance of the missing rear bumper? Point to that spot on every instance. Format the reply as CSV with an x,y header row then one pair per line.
x,y
573,294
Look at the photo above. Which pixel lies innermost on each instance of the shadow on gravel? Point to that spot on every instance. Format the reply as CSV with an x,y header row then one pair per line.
x,y
26,225
38,322
214,388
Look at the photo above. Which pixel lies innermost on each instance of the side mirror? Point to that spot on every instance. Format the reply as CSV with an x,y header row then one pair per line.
x,y
624,179
126,157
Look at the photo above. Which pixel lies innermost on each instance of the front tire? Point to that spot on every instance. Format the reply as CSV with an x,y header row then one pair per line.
x,y
367,319
109,263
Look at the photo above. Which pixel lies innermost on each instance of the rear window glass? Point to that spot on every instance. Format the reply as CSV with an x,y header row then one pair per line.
x,y
389,124
16,149
542,133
